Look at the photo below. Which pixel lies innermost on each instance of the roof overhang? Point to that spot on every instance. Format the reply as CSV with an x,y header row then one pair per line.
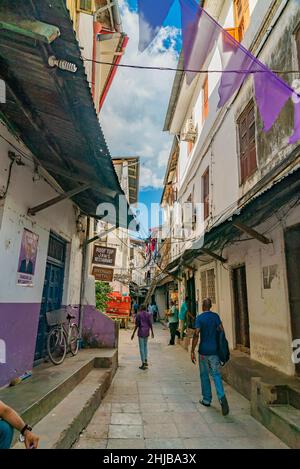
x,y
52,110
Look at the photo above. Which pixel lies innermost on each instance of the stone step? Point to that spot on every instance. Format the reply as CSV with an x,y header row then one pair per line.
x,y
75,411
289,414
34,398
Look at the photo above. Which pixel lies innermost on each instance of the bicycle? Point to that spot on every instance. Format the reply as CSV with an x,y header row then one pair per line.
x,y
62,338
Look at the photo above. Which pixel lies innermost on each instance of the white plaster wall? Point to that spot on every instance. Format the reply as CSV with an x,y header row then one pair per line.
x,y
24,193
269,311
85,37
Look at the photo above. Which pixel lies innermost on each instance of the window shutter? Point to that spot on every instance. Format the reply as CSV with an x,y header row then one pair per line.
x,y
246,127
205,183
298,44
205,100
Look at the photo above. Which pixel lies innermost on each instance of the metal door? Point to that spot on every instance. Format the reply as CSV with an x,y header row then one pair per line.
x,y
292,243
242,326
52,291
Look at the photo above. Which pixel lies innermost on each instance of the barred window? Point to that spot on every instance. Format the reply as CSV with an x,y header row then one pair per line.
x,y
208,285
85,5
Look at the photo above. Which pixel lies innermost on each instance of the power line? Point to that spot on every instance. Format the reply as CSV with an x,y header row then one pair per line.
x,y
171,69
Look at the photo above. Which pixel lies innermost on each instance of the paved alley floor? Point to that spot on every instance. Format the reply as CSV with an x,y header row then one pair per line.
x,y
159,408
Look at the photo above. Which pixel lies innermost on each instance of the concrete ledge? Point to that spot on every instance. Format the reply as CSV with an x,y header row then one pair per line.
x,y
270,405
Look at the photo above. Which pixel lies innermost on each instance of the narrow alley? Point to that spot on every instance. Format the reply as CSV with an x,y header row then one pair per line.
x,y
159,408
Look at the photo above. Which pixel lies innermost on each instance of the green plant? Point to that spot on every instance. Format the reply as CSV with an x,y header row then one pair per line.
x,y
103,290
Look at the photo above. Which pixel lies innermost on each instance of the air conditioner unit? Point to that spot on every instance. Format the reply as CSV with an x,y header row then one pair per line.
x,y
190,132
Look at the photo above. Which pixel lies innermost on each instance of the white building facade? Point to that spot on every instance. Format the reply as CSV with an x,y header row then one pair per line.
x,y
231,188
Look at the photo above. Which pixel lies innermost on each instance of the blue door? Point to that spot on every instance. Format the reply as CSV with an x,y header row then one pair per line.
x,y
52,291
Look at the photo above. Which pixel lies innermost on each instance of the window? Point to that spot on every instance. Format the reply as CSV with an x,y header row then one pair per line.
x,y
298,44
241,18
205,193
246,129
208,288
205,107
85,5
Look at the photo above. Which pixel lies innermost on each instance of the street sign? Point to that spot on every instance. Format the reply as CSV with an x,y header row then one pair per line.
x,y
102,274
105,256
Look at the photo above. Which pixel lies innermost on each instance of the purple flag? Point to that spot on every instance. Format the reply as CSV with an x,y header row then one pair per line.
x,y
271,95
199,37
151,19
201,33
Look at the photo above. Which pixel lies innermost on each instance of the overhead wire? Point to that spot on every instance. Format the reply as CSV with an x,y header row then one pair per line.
x,y
187,70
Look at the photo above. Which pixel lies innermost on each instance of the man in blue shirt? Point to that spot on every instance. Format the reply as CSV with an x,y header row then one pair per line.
x,y
208,324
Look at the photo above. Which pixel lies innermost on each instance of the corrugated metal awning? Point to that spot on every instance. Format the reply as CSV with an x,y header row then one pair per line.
x,y
52,110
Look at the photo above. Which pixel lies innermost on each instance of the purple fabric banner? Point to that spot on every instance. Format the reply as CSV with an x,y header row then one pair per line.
x,y
201,33
151,19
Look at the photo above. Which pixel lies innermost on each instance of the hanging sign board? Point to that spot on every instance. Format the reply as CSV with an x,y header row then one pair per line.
x,y
105,256
102,274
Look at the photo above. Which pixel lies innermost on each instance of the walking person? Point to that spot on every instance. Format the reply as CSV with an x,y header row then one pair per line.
x,y
208,324
10,420
143,325
173,323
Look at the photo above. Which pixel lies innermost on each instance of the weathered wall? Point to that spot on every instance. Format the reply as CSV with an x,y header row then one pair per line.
x,y
20,306
269,311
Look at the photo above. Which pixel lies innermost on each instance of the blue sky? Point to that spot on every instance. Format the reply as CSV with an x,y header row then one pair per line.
x,y
134,112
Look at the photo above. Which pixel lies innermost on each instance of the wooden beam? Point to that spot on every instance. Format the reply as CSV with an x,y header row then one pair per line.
x,y
36,30
250,231
214,255
67,195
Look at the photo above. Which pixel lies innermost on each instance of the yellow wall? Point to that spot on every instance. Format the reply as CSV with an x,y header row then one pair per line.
x,y
72,7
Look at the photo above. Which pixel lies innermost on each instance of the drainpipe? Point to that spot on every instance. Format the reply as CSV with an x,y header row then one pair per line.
x,y
116,16
83,276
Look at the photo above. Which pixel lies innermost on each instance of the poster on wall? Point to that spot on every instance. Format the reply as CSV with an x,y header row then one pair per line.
x,y
27,258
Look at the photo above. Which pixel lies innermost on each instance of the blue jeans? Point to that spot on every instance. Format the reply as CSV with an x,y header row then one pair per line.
x,y
210,365
6,435
143,344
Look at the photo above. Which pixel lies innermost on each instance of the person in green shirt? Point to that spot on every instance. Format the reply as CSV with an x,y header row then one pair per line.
x,y
173,323
183,316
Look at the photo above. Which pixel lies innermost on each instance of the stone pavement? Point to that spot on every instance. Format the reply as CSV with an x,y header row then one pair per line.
x,y
159,408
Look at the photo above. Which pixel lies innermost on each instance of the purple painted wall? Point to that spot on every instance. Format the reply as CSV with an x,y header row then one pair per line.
x,y
98,329
18,330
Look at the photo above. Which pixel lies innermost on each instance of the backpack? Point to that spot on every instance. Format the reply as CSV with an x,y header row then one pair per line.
x,y
223,348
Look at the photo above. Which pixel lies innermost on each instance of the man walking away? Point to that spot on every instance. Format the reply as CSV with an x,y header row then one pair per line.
x,y
135,310
208,324
182,316
9,420
155,312
143,324
173,323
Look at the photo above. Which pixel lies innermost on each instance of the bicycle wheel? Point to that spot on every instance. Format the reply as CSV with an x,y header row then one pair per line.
x,y
74,339
57,346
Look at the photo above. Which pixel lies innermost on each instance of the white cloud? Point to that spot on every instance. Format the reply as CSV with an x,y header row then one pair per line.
x,y
133,114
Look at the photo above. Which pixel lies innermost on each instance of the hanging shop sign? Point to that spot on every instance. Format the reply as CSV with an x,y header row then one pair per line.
x,y
105,256
27,258
102,274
